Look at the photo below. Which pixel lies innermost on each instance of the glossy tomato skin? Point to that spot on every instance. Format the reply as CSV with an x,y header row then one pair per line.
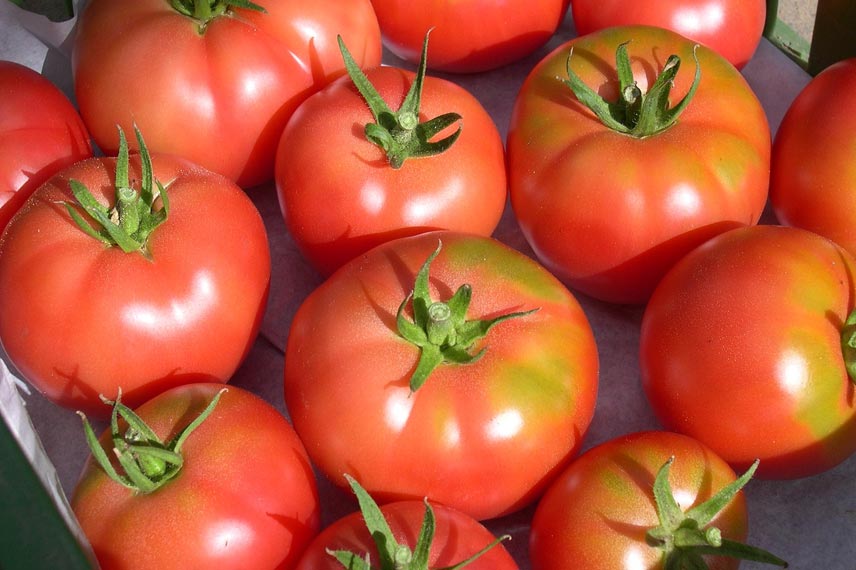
x,y
609,213
741,349
36,140
457,537
813,179
595,515
483,438
221,97
339,195
246,495
505,31
79,319
731,28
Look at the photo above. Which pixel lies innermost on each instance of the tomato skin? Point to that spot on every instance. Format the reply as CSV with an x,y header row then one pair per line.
x,y
731,28
506,32
188,314
36,141
340,197
740,348
457,537
609,213
483,438
205,517
813,172
596,513
219,98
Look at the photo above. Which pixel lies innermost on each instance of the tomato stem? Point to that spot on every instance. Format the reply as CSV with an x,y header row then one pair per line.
x,y
848,345
635,113
441,329
684,537
148,462
399,133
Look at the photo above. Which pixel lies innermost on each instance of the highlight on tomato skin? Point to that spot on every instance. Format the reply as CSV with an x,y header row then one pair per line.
x,y
511,409
747,346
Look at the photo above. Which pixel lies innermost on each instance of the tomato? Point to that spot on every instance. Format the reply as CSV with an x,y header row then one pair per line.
x,y
484,437
79,318
609,210
341,194
244,497
600,513
741,348
36,141
469,35
813,180
732,28
405,530
217,92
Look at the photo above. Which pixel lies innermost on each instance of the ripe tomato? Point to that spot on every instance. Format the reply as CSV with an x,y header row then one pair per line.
x,y
731,28
609,211
813,181
215,91
429,536
36,140
79,318
741,348
598,513
469,35
484,437
244,497
342,194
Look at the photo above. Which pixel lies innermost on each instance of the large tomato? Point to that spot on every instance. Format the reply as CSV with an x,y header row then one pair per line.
x,y
732,28
426,535
469,35
483,437
610,210
741,348
40,134
621,506
341,194
244,496
80,318
813,181
215,86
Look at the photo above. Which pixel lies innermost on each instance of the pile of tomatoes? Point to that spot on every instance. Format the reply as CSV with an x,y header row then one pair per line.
x,y
278,275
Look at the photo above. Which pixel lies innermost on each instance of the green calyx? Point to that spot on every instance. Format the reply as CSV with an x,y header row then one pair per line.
x,y
684,537
392,554
203,11
130,222
148,463
848,345
399,133
635,113
440,328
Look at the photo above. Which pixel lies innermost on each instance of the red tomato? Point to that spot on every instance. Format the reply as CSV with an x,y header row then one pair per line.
x,y
813,182
188,311
732,28
36,140
244,498
339,194
741,348
216,93
597,513
483,438
609,212
469,35
457,537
